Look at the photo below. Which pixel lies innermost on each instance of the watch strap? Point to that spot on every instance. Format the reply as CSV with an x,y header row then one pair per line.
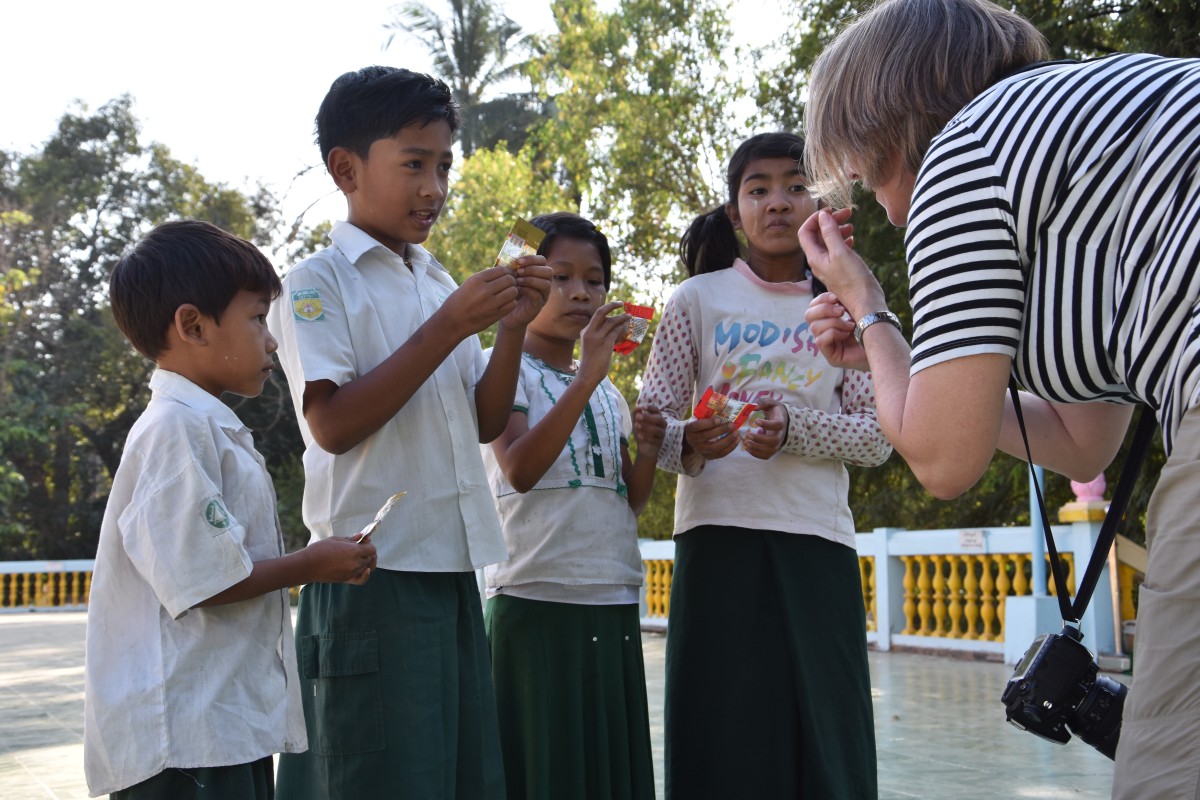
x,y
868,320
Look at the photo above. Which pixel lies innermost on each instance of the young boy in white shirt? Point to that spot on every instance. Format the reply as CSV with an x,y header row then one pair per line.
x,y
190,681
393,393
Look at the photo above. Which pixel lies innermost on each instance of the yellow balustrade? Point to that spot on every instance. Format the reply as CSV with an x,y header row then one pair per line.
x,y
962,596
658,587
866,575
44,589
1127,579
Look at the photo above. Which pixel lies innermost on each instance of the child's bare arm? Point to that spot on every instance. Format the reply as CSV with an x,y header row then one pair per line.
x,y
334,560
342,417
523,453
496,387
649,429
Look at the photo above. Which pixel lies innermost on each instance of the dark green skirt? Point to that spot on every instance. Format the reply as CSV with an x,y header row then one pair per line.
x,y
571,694
397,692
253,781
768,690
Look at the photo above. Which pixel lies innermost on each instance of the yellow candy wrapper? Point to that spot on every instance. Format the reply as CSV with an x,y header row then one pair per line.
x,y
523,240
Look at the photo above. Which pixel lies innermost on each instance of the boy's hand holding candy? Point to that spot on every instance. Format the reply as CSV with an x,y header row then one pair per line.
x,y
340,559
533,287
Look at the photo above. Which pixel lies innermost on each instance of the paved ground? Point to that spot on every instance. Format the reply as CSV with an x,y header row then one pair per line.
x,y
939,724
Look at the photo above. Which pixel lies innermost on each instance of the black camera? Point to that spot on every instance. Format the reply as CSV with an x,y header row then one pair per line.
x,y
1057,686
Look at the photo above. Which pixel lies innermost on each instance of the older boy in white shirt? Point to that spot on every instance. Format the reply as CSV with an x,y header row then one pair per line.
x,y
393,393
190,681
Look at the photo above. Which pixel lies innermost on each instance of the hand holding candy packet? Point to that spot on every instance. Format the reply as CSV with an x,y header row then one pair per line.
x,y
370,527
522,240
724,408
635,331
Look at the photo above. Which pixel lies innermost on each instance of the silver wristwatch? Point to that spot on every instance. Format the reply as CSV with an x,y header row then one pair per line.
x,y
870,319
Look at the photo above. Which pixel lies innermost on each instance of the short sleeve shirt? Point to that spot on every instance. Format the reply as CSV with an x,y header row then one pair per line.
x,y
575,526
1054,220
166,684
343,311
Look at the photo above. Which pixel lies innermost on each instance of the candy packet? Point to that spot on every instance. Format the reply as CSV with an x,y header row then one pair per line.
x,y
523,240
370,527
635,329
726,409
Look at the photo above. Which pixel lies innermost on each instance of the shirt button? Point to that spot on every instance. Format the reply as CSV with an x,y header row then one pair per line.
x,y
595,638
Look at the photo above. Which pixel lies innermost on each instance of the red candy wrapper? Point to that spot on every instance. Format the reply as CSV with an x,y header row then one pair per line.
x,y
726,409
635,331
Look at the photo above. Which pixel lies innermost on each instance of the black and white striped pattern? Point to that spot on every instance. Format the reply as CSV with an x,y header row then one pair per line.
x,y
1056,219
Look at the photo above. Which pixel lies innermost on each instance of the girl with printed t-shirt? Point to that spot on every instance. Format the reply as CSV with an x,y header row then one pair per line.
x,y
767,688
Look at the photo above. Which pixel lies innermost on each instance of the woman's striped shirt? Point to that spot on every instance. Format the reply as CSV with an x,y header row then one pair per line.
x,y
1056,219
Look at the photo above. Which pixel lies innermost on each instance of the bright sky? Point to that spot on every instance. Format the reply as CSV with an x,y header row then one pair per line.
x,y
230,86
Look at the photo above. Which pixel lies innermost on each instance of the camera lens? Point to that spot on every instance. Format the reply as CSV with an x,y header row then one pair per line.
x,y
1097,718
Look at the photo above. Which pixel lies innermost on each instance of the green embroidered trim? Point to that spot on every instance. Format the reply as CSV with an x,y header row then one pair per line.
x,y
543,369
589,421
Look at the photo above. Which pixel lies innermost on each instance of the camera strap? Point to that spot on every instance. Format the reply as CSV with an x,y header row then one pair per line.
x,y
1142,437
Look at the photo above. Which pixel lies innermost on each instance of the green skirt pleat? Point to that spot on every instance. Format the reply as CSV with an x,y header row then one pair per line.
x,y
397,692
768,689
571,696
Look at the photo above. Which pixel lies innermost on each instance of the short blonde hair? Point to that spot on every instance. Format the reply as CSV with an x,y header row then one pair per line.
x,y
894,77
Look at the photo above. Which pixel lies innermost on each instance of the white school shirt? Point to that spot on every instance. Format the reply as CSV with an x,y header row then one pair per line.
x,y
342,312
165,684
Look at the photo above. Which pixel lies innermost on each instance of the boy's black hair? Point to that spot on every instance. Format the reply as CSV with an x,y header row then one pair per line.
x,y
374,103
711,243
573,226
181,262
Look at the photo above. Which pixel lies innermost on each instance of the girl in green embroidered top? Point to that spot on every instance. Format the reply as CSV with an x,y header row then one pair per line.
x,y
562,613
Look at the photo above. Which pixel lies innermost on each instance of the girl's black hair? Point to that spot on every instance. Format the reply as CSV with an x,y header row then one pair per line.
x,y
573,226
711,243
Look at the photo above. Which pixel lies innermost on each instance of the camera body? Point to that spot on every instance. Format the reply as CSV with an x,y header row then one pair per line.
x,y
1057,686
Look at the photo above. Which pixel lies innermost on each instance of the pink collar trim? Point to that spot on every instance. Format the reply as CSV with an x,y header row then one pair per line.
x,y
789,287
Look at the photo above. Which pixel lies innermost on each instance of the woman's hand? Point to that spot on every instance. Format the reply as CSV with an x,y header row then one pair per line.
x,y
833,332
824,239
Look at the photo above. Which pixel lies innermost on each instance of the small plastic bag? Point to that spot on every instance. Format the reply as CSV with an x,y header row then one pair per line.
x,y
636,329
522,240
725,409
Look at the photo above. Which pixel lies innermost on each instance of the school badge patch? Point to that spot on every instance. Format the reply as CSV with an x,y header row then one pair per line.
x,y
306,305
215,513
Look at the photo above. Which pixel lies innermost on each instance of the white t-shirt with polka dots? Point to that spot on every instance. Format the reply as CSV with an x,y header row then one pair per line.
x,y
746,338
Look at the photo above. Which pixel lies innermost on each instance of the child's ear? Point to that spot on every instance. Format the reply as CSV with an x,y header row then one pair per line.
x,y
343,165
190,325
731,211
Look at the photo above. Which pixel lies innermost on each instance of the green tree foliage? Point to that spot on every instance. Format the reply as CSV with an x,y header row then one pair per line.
x,y
476,49
70,386
492,188
644,117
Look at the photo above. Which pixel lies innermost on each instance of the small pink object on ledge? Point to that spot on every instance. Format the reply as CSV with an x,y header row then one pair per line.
x,y
1091,491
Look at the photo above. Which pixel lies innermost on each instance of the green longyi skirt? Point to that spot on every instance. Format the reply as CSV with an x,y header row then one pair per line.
x,y
571,697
